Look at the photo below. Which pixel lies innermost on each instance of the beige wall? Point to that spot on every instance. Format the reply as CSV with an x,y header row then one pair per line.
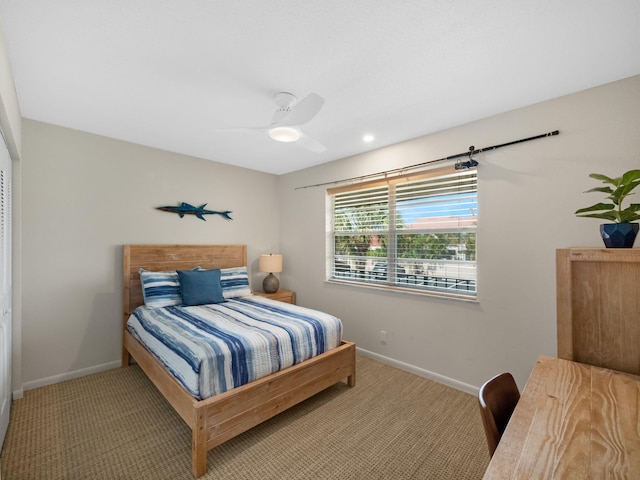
x,y
83,197
527,195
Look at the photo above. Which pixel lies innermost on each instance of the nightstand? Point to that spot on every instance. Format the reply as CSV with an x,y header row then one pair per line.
x,y
281,295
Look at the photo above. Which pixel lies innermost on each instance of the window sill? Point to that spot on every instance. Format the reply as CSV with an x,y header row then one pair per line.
x,y
404,291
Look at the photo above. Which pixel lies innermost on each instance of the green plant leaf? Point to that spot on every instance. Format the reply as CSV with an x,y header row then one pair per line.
x,y
623,187
627,217
600,189
611,215
596,207
626,188
631,213
631,176
604,178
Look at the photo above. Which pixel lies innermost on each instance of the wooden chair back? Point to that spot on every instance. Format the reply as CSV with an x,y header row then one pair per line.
x,y
498,398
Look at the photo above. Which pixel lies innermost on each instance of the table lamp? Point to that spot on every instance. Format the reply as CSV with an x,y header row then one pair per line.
x,y
271,263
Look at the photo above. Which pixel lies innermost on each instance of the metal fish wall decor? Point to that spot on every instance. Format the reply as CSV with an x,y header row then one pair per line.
x,y
188,209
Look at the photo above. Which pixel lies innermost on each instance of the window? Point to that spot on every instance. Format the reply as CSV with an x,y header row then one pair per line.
x,y
412,233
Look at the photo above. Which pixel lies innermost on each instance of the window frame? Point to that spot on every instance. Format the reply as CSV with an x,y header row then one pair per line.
x,y
392,233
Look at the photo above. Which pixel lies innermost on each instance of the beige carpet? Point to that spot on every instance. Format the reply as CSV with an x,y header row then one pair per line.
x,y
115,425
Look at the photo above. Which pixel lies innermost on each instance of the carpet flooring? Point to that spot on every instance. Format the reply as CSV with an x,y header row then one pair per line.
x,y
115,425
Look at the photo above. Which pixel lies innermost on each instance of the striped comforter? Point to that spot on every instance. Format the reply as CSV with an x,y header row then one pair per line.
x,y
210,349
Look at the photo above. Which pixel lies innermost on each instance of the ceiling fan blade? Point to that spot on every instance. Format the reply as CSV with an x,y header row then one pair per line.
x,y
310,144
239,129
302,112
278,117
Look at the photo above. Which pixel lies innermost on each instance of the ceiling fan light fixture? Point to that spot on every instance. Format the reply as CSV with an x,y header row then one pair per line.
x,y
284,134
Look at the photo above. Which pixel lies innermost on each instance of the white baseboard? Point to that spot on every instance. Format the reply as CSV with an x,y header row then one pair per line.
x,y
65,376
436,377
465,387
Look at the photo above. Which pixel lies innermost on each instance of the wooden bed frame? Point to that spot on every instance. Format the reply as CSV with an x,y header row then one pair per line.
x,y
217,419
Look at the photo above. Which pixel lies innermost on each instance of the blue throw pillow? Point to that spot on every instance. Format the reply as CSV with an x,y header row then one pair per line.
x,y
200,287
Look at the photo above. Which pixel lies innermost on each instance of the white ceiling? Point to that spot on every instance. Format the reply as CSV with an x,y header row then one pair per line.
x,y
172,73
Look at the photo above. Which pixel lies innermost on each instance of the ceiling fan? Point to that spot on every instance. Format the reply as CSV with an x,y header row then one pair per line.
x,y
289,116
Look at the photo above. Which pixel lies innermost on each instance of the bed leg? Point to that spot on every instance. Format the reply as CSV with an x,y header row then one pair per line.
x,y
199,463
126,358
199,447
351,379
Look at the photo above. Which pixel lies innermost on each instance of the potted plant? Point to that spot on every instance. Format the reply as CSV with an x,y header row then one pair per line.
x,y
622,232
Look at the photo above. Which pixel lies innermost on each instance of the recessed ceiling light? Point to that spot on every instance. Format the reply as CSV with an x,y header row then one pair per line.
x,y
284,134
368,138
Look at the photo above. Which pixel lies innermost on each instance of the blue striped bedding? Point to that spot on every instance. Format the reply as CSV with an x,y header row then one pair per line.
x,y
213,348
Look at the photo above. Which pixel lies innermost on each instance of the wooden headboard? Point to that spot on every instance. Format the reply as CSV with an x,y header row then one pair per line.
x,y
171,257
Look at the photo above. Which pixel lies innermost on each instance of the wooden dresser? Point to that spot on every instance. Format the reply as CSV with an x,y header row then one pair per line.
x,y
598,307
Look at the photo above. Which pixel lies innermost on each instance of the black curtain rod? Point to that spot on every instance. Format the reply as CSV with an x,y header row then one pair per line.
x,y
470,163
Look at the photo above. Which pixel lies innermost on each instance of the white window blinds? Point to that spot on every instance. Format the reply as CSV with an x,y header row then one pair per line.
x,y
415,233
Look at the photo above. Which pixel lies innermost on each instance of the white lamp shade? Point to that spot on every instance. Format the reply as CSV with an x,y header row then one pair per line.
x,y
271,263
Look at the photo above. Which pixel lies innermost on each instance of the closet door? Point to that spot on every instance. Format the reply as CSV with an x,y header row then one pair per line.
x,y
5,289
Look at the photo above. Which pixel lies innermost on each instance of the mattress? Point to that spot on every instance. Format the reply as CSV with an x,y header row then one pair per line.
x,y
211,349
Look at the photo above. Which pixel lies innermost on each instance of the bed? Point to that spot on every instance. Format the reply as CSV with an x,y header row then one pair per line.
x,y
223,416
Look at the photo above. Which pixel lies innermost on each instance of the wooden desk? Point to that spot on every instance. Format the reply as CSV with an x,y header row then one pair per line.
x,y
572,421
